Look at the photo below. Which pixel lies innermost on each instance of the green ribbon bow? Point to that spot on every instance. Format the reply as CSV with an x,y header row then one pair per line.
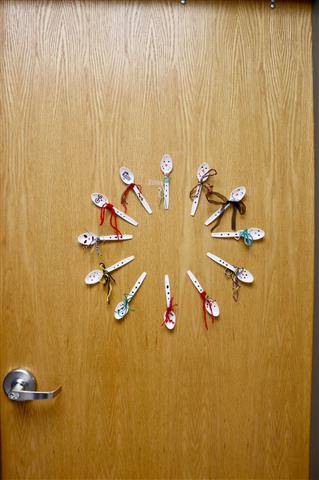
x,y
248,239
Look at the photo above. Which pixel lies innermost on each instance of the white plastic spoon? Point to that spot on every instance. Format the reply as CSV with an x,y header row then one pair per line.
x,y
235,196
100,200
128,177
166,168
95,276
241,273
88,238
122,308
201,173
256,234
170,325
211,305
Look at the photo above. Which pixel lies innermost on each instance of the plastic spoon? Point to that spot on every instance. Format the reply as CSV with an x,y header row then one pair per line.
x,y
100,200
128,177
88,238
201,173
235,196
211,305
122,308
95,276
256,234
166,168
241,273
172,317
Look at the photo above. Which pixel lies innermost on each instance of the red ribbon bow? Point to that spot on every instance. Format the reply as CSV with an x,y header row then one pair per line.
x,y
113,217
168,311
125,193
205,298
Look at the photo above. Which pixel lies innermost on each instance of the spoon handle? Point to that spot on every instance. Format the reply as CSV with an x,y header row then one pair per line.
x,y
120,264
167,290
136,286
221,262
196,200
166,194
125,217
195,281
113,238
217,214
226,234
142,199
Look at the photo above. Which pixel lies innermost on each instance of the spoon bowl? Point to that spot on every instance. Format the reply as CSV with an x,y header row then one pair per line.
x,y
172,321
99,200
120,311
87,239
245,276
256,233
202,171
93,277
126,175
237,194
166,164
212,307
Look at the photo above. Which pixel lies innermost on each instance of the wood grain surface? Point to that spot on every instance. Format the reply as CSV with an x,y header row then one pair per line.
x,y
85,88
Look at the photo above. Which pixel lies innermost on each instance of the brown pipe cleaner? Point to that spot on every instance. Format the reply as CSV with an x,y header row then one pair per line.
x,y
236,206
107,280
203,183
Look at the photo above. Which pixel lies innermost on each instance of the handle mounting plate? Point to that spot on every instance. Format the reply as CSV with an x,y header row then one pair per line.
x,y
18,376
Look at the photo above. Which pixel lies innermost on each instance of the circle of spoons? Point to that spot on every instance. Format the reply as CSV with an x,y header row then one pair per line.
x,y
103,275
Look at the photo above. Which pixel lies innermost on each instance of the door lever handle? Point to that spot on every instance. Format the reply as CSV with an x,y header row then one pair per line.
x,y
20,385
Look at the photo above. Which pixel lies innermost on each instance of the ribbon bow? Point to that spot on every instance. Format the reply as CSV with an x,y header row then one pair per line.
x,y
203,183
205,299
235,281
168,311
108,282
248,239
113,217
126,303
236,206
124,195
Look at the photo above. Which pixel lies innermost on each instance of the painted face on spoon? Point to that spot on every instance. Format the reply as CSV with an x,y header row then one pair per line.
x,y
98,199
126,175
238,194
166,164
202,171
87,239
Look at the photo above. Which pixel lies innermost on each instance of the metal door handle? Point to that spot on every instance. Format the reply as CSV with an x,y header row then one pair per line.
x,y
20,385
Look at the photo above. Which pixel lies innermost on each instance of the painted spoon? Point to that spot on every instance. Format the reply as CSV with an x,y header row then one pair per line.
x,y
254,233
241,273
96,276
122,308
211,305
170,324
166,168
127,177
235,196
100,200
201,173
88,238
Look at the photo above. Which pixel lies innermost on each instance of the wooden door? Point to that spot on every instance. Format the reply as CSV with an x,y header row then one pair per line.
x,y
87,87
